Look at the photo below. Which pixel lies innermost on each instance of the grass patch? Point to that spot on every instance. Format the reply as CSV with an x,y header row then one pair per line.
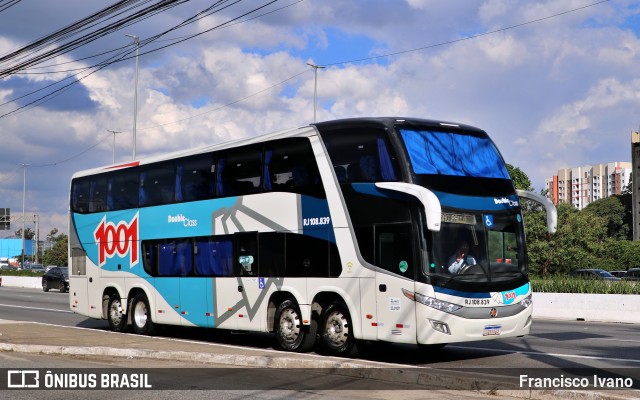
x,y
566,284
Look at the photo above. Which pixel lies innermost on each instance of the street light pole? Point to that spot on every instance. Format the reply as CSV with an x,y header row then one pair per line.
x,y
24,192
315,89
136,40
114,144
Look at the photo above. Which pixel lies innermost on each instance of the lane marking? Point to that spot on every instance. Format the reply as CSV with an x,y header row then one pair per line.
x,y
616,340
36,308
535,353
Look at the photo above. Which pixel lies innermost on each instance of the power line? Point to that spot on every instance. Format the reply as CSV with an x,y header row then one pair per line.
x,y
383,56
118,9
466,37
341,63
216,7
53,164
7,4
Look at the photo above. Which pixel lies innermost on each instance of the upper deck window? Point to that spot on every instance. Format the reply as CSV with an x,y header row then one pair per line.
x,y
361,154
453,154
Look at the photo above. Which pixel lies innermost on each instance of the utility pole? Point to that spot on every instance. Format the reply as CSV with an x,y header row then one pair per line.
x,y
136,40
315,89
35,217
114,144
24,192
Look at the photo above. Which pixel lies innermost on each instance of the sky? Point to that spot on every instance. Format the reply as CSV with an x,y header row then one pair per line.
x,y
556,84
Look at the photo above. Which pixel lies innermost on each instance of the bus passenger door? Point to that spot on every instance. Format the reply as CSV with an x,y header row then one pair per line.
x,y
395,257
235,295
249,284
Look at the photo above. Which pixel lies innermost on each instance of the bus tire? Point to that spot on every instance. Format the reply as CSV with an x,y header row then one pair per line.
x,y
117,320
336,333
290,334
141,315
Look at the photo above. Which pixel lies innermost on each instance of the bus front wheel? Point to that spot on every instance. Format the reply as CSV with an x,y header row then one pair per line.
x,y
337,335
117,320
141,315
290,333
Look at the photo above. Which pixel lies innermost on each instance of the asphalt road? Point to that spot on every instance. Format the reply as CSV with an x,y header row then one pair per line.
x,y
551,344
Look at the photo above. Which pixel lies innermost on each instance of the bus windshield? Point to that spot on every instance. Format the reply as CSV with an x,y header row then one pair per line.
x,y
452,154
478,247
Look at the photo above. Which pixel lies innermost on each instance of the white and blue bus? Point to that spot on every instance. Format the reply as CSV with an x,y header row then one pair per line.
x,y
326,234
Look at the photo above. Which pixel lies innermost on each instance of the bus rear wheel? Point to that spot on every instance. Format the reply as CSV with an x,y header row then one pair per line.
x,y
141,315
337,335
290,333
117,320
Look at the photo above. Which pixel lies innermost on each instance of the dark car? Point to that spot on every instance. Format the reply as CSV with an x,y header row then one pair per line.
x,y
632,275
618,274
592,273
39,268
56,278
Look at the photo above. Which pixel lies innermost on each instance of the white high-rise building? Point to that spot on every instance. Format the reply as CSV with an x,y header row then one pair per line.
x,y
581,186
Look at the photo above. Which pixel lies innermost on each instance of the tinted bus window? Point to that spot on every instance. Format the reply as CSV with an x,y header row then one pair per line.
x,y
98,195
122,190
290,167
194,178
157,184
361,155
238,171
80,195
247,254
174,257
214,256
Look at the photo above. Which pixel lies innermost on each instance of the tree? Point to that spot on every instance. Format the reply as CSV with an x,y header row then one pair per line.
x,y
624,254
58,254
614,212
29,234
520,179
52,235
578,243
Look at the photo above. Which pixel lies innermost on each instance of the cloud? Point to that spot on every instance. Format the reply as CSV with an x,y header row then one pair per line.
x,y
579,126
557,93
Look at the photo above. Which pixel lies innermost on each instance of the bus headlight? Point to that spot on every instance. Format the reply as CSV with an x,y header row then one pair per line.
x,y
527,301
437,304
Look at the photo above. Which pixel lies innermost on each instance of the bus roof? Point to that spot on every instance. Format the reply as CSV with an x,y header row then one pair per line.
x,y
392,121
303,131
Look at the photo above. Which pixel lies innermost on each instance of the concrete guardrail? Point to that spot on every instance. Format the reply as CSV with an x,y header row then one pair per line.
x,y
564,306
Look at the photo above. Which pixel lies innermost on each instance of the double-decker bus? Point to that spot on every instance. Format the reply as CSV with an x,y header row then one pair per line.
x,y
326,234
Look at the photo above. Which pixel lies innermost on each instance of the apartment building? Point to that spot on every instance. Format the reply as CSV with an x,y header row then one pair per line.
x,y
581,186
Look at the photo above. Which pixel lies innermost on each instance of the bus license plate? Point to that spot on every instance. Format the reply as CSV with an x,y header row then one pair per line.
x,y
491,330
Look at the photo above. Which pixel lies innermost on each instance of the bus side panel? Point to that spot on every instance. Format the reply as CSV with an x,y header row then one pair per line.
x,y
196,308
396,313
349,292
241,302
78,294
167,307
368,307
95,290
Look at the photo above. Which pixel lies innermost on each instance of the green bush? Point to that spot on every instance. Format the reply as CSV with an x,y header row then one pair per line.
x,y
566,284
20,273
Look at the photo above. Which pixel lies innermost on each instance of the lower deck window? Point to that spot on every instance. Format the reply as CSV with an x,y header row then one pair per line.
x,y
269,254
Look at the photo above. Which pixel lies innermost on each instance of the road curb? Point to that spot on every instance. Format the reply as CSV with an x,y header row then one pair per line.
x,y
430,378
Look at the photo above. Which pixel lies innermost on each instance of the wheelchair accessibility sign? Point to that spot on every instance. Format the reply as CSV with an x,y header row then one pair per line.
x,y
488,221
